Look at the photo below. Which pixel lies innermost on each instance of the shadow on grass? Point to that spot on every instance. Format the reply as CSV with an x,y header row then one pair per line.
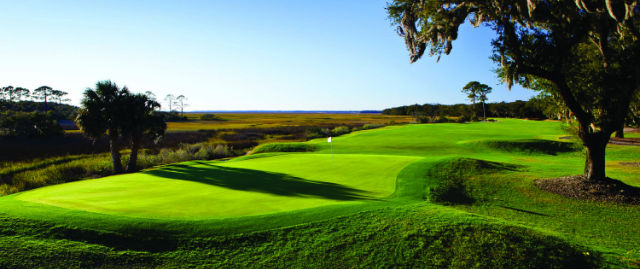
x,y
258,181
535,146
523,211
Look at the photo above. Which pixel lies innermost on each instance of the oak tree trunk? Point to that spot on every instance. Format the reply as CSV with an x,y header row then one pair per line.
x,y
596,145
620,132
484,113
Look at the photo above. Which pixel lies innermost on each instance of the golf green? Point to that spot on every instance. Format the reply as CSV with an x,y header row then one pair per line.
x,y
210,189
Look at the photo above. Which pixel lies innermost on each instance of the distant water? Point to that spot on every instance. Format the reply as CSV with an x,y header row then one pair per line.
x,y
289,111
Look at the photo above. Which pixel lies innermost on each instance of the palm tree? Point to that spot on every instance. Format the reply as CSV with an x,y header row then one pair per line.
x,y
142,121
104,111
477,91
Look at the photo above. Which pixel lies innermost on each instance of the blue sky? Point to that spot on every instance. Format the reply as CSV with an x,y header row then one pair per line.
x,y
238,55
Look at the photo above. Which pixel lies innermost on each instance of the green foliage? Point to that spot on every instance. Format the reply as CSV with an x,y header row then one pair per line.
x,y
58,111
313,133
29,124
283,147
340,130
368,126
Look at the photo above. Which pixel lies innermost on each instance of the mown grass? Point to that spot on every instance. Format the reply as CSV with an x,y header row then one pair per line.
x,y
255,186
509,224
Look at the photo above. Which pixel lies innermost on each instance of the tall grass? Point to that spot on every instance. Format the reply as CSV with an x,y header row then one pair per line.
x,y
21,176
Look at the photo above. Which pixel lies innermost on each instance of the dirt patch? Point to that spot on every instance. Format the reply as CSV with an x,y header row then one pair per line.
x,y
608,190
625,141
633,164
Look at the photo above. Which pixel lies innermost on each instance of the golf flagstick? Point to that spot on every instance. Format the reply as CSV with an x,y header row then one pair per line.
x,y
329,141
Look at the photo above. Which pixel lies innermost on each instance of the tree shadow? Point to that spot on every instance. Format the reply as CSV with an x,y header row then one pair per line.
x,y
259,181
524,211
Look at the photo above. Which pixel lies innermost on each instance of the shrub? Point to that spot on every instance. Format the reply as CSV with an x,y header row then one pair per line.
x,y
424,119
463,119
283,147
442,119
317,133
371,126
340,130
210,152
434,119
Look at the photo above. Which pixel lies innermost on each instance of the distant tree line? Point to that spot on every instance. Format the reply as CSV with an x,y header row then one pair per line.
x,y
518,109
42,93
22,115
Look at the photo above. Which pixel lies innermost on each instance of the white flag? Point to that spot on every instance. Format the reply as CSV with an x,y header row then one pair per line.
x,y
329,140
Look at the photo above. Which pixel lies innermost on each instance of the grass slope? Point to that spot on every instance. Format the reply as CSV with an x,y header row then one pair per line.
x,y
365,206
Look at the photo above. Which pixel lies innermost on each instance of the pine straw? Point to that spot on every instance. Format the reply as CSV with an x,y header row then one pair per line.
x,y
577,187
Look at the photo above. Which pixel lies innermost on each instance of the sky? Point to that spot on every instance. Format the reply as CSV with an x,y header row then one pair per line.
x,y
238,54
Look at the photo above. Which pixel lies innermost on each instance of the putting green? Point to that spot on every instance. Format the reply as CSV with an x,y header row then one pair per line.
x,y
228,189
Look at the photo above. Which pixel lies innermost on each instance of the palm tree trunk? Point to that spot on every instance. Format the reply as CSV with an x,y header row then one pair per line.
x,y
133,156
114,146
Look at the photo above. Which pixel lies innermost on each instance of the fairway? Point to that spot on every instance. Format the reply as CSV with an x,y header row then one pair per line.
x,y
226,189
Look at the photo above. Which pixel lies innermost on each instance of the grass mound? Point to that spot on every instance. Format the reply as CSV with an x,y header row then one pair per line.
x,y
607,190
284,147
424,236
539,146
448,184
468,167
